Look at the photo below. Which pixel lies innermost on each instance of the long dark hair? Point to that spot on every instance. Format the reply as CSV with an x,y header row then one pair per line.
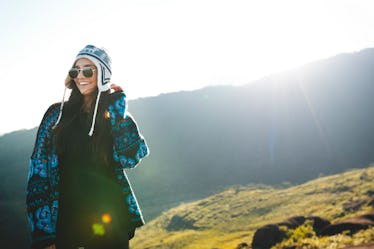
x,y
101,143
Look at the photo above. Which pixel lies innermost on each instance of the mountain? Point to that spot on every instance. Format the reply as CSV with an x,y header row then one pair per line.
x,y
15,149
288,127
284,128
229,218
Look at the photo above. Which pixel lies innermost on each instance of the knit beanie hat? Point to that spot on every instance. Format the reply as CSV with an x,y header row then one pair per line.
x,y
102,62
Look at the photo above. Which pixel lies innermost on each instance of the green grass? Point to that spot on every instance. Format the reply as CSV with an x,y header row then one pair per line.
x,y
304,237
228,218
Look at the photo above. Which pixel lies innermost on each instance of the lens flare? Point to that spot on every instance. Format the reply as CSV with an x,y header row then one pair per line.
x,y
106,218
98,229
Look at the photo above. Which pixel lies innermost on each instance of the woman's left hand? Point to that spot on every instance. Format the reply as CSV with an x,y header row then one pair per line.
x,y
115,88
117,103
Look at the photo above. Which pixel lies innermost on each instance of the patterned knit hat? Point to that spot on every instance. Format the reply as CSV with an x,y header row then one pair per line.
x,y
102,62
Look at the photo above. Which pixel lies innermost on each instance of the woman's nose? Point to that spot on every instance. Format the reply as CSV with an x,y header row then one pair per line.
x,y
80,74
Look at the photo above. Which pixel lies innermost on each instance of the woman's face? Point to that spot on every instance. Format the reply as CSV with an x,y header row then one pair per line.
x,y
86,85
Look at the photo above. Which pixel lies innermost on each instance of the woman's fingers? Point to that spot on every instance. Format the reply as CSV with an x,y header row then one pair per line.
x,y
115,88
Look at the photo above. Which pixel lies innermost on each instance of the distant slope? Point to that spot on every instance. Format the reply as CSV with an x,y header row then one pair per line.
x,y
228,218
15,148
291,126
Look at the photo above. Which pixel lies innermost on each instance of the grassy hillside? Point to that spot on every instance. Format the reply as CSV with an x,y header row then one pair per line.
x,y
226,219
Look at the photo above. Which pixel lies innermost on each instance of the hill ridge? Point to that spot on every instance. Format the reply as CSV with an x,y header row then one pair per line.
x,y
227,218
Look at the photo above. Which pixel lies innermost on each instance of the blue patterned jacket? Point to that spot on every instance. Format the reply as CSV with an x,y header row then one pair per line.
x,y
42,196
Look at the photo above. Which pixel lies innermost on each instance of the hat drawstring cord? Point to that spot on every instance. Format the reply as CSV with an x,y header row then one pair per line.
x,y
61,107
94,115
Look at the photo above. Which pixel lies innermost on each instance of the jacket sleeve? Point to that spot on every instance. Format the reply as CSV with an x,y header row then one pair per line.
x,y
41,208
129,146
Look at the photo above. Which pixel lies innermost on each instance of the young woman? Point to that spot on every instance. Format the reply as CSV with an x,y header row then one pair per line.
x,y
78,195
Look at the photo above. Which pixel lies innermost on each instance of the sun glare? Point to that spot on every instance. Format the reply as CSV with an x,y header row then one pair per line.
x,y
98,229
106,218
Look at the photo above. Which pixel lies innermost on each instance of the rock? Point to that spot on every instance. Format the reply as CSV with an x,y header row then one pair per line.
x,y
319,223
293,222
352,225
267,236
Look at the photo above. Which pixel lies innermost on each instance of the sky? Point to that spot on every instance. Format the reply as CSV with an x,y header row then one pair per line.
x,y
161,46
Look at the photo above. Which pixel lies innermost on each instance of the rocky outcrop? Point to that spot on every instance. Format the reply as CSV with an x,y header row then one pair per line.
x,y
267,236
352,225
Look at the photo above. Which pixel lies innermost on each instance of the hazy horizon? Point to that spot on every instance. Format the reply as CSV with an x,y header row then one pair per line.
x,y
4,132
167,45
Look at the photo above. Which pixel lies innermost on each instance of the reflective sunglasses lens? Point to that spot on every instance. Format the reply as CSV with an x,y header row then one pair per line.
x,y
73,73
87,72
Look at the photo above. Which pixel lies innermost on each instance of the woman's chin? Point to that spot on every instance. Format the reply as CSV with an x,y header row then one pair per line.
x,y
86,92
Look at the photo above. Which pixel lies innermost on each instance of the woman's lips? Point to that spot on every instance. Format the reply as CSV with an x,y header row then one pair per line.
x,y
84,83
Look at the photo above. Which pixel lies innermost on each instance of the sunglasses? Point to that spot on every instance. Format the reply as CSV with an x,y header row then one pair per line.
x,y
87,72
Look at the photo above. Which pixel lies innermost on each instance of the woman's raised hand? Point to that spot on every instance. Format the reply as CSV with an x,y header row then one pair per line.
x,y
115,88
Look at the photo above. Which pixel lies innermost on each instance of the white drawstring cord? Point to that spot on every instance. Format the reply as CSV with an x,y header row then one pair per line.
x,y
60,114
94,116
